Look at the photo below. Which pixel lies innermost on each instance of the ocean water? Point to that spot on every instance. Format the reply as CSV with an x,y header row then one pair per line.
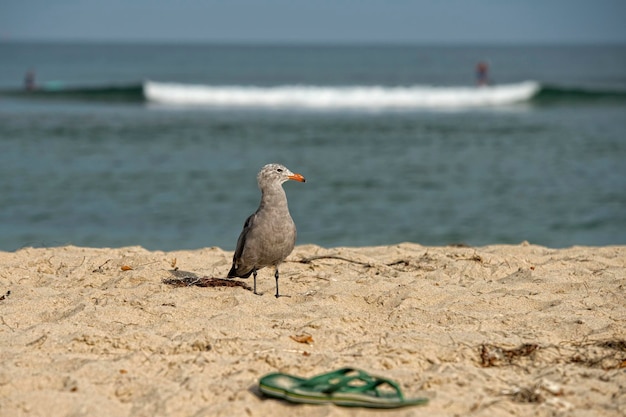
x,y
159,145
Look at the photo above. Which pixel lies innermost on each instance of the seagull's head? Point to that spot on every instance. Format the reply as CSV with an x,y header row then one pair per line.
x,y
277,173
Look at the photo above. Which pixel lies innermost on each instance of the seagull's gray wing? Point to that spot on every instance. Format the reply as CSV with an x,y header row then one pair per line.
x,y
237,269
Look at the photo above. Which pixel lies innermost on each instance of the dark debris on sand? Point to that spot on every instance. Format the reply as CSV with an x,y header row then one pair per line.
x,y
189,279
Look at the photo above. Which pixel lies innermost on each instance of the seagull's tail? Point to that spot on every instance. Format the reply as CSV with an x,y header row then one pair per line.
x,y
233,273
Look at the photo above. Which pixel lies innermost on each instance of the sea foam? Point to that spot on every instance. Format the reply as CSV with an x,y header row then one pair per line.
x,y
339,97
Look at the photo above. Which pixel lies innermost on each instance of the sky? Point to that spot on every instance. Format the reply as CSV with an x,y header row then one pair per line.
x,y
316,21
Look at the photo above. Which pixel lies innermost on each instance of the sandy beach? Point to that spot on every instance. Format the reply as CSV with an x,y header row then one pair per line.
x,y
501,330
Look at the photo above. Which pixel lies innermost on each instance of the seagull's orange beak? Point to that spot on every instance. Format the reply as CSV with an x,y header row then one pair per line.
x,y
297,177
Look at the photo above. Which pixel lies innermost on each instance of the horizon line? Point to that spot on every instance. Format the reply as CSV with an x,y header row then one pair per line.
x,y
233,42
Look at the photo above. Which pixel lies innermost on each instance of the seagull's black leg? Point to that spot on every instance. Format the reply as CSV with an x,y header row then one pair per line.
x,y
276,276
254,274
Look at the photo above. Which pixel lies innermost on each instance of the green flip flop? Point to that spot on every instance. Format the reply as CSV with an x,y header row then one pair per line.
x,y
346,387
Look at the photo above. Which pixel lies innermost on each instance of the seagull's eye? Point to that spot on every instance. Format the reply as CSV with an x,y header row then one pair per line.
x,y
279,169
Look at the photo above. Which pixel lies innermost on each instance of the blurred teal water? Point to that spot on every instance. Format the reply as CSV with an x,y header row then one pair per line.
x,y
100,171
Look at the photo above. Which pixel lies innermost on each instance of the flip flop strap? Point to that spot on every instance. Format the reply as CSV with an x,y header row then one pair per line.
x,y
324,379
345,382
371,383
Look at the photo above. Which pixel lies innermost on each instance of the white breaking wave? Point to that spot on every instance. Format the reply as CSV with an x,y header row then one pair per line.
x,y
340,97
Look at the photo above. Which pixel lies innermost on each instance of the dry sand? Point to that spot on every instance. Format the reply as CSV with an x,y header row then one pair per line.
x,y
516,330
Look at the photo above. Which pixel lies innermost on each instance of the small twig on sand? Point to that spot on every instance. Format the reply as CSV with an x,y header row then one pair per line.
x,y
309,259
341,258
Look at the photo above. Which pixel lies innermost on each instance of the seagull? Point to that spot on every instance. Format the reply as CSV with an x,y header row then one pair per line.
x,y
268,235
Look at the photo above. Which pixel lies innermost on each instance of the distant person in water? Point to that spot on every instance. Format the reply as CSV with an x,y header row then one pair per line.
x,y
482,76
29,80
